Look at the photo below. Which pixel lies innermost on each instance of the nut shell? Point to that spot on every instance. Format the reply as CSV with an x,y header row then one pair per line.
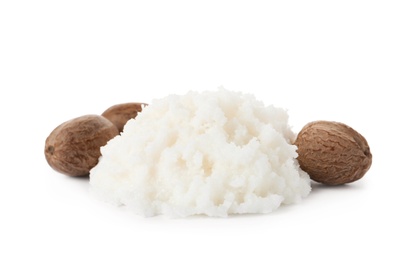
x,y
121,113
73,148
333,153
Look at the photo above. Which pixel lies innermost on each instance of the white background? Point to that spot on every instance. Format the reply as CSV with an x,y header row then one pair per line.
x,y
349,61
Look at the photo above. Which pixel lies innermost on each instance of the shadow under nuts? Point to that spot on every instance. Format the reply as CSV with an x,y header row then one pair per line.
x,y
121,113
73,148
333,153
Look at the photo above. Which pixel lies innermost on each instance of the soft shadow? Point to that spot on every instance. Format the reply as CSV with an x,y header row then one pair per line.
x,y
81,181
318,187
80,178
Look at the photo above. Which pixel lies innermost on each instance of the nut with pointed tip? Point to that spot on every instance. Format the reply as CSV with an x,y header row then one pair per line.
x,y
73,148
333,153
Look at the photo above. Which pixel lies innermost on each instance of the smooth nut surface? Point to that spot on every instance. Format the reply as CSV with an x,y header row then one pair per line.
x,y
121,113
73,148
333,153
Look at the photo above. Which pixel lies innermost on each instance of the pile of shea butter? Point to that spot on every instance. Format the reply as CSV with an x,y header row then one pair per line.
x,y
213,153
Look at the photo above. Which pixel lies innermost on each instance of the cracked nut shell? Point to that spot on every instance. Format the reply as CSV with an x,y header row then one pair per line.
x,y
333,153
73,148
121,113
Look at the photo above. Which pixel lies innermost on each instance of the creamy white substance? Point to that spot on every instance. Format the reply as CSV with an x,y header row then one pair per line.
x,y
213,153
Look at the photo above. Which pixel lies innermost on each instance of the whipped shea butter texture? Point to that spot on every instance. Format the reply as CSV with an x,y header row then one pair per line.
x,y
213,153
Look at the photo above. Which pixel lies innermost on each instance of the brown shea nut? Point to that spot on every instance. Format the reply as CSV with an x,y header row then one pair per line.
x,y
73,148
121,113
332,153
